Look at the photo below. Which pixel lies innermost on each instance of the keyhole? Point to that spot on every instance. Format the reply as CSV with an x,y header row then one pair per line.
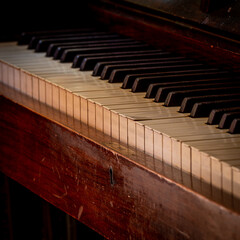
x,y
111,176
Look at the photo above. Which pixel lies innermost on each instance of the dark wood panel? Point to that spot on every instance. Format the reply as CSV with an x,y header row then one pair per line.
x,y
114,195
24,215
217,15
166,31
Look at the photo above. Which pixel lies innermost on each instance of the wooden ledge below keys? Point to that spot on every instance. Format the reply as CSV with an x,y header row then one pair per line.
x,y
119,192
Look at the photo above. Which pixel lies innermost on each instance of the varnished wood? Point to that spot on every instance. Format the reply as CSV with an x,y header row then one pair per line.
x,y
118,191
156,24
92,177
126,116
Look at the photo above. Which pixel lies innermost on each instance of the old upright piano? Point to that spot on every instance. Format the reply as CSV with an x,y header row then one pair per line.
x,y
127,117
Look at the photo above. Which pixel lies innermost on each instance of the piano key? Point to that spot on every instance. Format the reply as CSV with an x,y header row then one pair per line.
x,y
202,149
118,75
227,119
230,171
216,144
176,98
225,154
90,62
68,55
25,37
79,59
203,109
216,114
111,38
43,44
120,100
35,40
205,159
178,131
103,93
200,75
188,102
236,181
235,126
198,89
108,66
78,83
221,173
182,128
144,115
60,50
114,72
223,134
210,167
129,79
192,155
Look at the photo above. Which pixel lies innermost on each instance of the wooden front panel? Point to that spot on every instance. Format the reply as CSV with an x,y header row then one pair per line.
x,y
108,192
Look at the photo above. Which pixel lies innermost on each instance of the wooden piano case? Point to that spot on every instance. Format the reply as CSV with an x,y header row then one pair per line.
x,y
119,192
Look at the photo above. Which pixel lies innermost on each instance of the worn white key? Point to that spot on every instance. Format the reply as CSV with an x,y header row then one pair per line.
x,y
176,139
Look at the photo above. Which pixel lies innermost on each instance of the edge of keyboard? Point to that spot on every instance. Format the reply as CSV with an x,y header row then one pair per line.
x,y
152,135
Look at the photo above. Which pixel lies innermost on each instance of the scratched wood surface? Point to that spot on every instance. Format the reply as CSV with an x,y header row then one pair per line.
x,y
20,208
109,192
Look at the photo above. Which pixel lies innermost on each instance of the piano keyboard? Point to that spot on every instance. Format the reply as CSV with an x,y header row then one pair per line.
x,y
156,101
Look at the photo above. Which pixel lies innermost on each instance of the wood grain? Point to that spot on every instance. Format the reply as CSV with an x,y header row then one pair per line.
x,y
112,194
159,29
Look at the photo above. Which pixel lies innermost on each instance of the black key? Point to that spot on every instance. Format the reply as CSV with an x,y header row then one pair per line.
x,y
203,109
119,75
36,39
59,51
175,98
227,119
111,71
79,59
43,44
153,87
235,126
89,63
129,79
69,55
112,38
142,84
26,37
188,102
194,90
216,114
99,68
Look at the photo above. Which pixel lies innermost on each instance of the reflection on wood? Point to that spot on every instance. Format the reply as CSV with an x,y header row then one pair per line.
x,y
76,173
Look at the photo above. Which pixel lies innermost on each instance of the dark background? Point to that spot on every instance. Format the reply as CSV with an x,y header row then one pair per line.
x,y
19,16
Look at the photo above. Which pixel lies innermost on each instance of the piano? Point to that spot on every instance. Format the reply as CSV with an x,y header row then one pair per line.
x,y
128,120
